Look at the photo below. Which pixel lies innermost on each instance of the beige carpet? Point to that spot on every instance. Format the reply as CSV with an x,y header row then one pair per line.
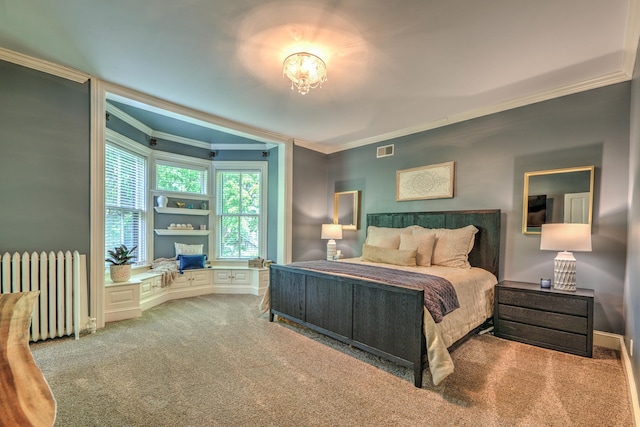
x,y
213,361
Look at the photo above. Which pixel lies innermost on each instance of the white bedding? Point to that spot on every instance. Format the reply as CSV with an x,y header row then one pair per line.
x,y
474,288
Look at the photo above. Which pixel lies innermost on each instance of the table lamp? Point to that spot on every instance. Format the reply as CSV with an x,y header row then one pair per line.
x,y
331,232
565,238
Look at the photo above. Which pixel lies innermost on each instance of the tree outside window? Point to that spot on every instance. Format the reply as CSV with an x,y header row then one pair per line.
x,y
180,179
239,213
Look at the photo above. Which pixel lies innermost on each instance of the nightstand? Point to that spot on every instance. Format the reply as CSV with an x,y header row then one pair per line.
x,y
549,318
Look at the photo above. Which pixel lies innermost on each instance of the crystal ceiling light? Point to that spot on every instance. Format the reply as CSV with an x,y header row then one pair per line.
x,y
305,70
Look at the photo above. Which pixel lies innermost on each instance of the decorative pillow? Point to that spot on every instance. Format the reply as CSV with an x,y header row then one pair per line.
x,y
389,256
452,246
422,243
185,249
190,262
384,237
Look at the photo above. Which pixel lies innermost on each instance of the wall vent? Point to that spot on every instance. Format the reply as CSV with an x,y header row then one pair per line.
x,y
384,151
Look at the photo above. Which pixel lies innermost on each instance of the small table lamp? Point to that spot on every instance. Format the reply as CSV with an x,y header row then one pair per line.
x,y
331,232
565,238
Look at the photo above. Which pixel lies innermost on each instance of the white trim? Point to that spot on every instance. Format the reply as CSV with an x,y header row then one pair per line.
x,y
181,161
112,109
181,139
609,79
248,165
607,340
96,259
137,124
43,66
126,143
285,203
189,115
632,36
616,342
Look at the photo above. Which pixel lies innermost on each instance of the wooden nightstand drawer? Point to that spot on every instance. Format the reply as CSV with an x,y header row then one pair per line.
x,y
549,318
544,337
545,319
547,302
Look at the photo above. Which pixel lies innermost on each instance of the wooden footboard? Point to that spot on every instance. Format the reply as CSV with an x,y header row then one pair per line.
x,y
381,319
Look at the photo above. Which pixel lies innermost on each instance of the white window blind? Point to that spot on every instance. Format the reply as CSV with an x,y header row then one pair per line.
x,y
125,200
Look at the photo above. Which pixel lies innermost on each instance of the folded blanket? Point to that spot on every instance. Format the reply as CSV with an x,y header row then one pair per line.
x,y
168,267
440,297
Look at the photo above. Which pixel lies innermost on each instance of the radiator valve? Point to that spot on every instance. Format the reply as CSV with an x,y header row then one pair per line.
x,y
92,325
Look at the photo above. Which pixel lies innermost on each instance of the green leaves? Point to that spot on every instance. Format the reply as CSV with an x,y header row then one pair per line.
x,y
121,255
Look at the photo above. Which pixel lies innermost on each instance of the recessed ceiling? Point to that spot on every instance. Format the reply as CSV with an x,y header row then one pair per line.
x,y
393,67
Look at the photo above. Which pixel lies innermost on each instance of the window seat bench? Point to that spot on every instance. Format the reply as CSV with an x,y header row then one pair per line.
x,y
126,300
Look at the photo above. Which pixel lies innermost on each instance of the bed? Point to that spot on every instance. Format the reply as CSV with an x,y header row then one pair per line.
x,y
390,320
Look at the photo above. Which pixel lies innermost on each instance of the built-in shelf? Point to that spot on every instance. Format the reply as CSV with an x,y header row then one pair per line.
x,y
166,232
182,211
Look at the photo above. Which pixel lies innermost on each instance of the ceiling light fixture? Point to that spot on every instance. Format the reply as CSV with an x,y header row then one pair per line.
x,y
305,70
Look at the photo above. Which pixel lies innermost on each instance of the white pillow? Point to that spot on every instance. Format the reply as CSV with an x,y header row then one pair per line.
x,y
388,256
422,243
184,249
384,237
452,246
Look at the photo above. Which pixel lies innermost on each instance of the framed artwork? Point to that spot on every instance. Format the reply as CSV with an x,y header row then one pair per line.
x,y
425,182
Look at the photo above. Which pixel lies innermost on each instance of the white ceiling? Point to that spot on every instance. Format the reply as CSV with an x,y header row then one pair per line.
x,y
394,67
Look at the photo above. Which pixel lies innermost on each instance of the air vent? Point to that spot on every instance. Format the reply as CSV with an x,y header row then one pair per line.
x,y
384,151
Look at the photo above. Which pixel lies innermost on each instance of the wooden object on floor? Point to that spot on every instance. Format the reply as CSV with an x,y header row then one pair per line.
x,y
545,317
26,397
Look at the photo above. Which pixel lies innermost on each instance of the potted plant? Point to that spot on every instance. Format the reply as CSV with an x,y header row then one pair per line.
x,y
120,257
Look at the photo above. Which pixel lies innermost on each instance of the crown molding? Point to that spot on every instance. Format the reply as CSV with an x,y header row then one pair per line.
x,y
606,80
315,146
189,115
44,66
112,109
137,124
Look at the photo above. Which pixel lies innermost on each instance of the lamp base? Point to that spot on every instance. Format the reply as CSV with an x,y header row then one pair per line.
x,y
564,272
331,249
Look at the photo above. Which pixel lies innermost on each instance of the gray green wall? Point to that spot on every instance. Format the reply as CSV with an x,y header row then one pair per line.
x,y
44,162
491,155
310,211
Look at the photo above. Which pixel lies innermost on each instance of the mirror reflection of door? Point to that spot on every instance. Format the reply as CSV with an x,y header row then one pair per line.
x,y
576,208
557,196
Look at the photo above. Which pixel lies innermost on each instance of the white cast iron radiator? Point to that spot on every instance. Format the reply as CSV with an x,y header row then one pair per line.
x,y
60,278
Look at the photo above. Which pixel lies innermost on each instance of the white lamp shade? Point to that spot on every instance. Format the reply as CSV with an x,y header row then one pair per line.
x,y
566,237
331,231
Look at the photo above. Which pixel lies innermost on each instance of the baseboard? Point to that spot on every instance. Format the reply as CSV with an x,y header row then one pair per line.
x,y
616,342
116,315
608,340
233,289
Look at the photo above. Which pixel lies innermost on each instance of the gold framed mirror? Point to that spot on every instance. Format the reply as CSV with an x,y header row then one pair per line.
x,y
557,196
346,209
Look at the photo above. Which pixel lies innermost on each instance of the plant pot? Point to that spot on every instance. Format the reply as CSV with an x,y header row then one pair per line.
x,y
120,273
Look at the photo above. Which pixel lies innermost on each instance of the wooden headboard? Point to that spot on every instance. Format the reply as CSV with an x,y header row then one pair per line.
x,y
486,250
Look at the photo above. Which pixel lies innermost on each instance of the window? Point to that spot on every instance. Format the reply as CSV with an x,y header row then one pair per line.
x,y
240,203
181,178
125,200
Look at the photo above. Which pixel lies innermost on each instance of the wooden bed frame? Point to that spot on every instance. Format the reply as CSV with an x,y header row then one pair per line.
x,y
382,319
